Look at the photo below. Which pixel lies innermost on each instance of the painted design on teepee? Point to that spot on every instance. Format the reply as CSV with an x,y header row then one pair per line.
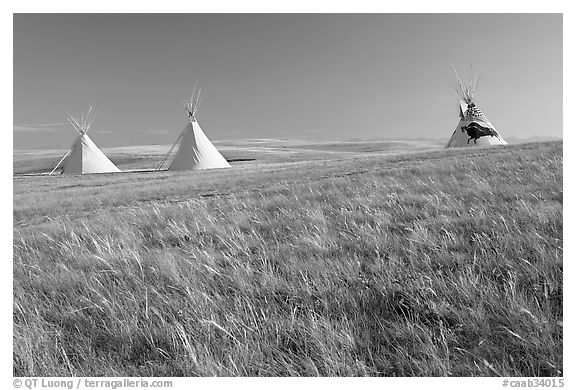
x,y
473,125
473,111
84,156
476,130
195,151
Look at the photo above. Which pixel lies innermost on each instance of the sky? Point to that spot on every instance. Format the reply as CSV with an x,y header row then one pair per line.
x,y
304,76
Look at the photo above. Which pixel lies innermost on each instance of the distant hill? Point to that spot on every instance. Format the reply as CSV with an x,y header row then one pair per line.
x,y
534,138
510,140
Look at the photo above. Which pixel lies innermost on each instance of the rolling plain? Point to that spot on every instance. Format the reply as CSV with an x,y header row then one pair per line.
x,y
304,259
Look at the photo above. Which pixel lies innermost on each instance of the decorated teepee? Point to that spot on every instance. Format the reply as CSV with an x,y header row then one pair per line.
x,y
84,156
474,128
195,151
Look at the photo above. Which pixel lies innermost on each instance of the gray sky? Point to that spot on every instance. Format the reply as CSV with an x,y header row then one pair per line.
x,y
314,76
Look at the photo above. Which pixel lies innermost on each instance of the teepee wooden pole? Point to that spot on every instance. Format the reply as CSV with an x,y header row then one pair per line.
x,y
168,154
60,162
75,125
198,101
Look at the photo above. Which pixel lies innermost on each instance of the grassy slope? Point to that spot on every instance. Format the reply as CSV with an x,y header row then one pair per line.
x,y
442,263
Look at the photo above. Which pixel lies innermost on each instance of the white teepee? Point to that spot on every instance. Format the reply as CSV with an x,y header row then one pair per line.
x,y
195,151
84,156
474,129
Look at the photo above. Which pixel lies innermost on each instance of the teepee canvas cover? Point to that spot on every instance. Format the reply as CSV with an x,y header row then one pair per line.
x,y
195,151
474,129
84,156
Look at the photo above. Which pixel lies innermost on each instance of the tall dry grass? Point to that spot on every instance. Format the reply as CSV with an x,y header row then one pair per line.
x,y
437,264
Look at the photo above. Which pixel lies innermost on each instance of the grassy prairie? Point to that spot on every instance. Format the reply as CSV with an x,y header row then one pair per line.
x,y
238,152
439,263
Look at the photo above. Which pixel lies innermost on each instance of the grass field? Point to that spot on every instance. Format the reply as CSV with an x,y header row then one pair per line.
x,y
238,152
376,262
